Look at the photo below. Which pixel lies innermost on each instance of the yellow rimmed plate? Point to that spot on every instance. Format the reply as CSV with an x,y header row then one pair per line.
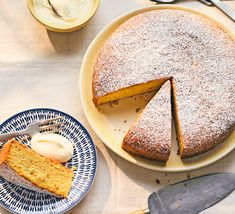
x,y
111,122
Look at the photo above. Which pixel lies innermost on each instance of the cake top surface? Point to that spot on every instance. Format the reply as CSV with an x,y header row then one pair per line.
x,y
161,43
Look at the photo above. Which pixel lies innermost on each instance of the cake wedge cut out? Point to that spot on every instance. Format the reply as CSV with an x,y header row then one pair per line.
x,y
150,135
23,167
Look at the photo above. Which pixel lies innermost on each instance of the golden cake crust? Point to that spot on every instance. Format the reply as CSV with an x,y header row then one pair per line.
x,y
192,50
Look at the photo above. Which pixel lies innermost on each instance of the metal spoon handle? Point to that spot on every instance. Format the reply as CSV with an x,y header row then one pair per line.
x,y
224,8
206,2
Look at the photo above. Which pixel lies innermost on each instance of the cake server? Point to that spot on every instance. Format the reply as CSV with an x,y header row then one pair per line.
x,y
190,196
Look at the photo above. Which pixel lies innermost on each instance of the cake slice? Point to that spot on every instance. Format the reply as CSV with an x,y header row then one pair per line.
x,y
202,121
24,167
150,135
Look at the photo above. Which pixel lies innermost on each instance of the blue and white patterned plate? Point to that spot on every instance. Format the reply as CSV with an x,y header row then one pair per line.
x,y
19,200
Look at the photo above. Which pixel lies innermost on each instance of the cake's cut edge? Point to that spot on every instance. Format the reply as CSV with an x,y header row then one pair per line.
x,y
174,105
18,178
129,91
147,139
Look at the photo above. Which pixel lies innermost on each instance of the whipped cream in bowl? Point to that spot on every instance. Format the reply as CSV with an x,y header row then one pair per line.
x,y
63,15
53,146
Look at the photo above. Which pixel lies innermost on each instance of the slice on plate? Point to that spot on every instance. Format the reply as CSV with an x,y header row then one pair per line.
x,y
150,135
24,167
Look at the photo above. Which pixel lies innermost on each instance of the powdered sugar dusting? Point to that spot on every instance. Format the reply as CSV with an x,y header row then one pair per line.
x,y
193,50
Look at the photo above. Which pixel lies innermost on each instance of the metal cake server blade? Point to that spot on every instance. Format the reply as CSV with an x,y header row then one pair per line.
x,y
190,196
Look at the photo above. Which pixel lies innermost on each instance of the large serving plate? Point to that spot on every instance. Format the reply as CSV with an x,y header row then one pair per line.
x,y
111,122
23,201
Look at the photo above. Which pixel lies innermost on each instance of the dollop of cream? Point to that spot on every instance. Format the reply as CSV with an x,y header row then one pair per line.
x,y
68,12
53,146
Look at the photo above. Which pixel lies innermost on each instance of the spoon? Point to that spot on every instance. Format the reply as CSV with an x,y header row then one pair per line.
x,y
218,3
206,2
163,1
53,9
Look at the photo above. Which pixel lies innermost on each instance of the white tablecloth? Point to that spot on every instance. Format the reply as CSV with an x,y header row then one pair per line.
x,y
40,68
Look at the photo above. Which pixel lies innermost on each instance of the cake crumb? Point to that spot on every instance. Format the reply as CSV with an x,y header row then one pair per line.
x,y
74,168
178,205
157,181
188,176
115,102
194,63
124,121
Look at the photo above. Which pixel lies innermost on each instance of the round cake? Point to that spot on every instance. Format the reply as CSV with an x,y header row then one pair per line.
x,y
191,50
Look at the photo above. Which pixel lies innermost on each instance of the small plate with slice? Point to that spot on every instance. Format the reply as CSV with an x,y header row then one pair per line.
x,y
84,162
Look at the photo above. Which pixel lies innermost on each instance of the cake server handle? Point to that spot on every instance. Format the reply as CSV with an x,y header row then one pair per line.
x,y
146,211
